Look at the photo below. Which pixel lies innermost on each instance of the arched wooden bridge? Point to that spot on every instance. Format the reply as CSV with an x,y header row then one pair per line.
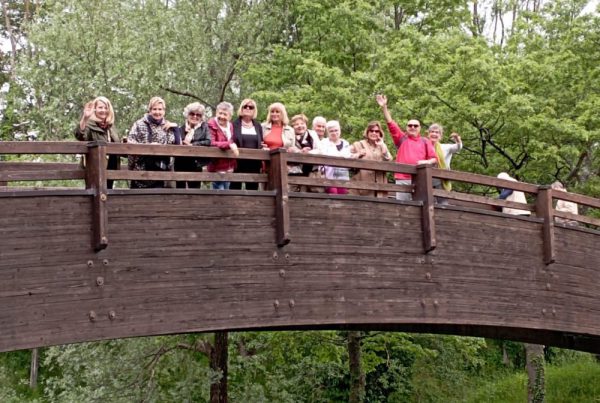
x,y
92,263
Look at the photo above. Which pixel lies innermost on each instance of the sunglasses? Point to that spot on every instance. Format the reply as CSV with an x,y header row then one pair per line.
x,y
198,115
411,125
251,107
374,131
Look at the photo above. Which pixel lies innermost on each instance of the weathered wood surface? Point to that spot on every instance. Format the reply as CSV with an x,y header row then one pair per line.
x,y
208,261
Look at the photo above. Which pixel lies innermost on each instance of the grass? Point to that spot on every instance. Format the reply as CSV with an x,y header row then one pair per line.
x,y
572,383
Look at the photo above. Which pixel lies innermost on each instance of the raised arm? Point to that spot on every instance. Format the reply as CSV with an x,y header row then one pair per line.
x,y
382,101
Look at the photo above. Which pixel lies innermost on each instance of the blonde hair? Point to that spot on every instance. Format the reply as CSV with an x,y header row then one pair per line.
x,y
301,116
154,101
110,118
245,102
284,116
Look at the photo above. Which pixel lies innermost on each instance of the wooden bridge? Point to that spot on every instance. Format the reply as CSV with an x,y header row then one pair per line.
x,y
91,263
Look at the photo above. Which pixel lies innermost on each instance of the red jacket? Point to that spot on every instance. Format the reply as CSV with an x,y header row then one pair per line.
x,y
219,139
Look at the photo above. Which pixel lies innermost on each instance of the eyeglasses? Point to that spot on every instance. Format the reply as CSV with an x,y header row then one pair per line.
x,y
411,125
251,107
198,115
374,131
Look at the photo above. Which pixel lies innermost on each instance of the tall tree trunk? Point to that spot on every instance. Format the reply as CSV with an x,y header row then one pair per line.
x,y
33,370
11,37
536,389
218,363
357,377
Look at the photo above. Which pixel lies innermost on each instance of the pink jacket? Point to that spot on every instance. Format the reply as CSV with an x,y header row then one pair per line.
x,y
410,149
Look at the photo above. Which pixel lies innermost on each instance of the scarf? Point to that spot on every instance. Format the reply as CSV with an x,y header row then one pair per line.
x,y
189,133
154,121
446,184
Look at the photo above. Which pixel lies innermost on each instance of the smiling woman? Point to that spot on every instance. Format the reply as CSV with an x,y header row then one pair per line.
x,y
153,128
97,124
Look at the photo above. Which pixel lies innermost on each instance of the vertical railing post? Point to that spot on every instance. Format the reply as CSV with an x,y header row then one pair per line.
x,y
543,209
278,181
424,193
95,179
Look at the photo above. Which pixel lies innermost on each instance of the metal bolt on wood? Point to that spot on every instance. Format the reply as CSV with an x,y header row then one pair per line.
x,y
90,263
553,312
100,281
281,273
104,239
287,256
428,276
275,256
92,316
435,304
548,286
276,304
112,315
292,303
423,304
103,197
544,311
105,262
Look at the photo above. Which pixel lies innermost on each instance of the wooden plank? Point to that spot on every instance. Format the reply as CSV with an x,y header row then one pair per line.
x,y
481,200
41,175
543,209
577,217
38,166
42,147
184,151
302,180
351,163
278,181
96,181
483,180
424,193
186,176
577,198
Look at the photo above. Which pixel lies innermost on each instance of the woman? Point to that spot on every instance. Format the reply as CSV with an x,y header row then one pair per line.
x,y
221,135
371,148
335,146
444,152
512,195
277,133
247,133
194,132
97,124
565,206
305,141
153,128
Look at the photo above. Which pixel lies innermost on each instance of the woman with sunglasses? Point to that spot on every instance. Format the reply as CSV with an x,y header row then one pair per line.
x,y
247,133
194,132
371,148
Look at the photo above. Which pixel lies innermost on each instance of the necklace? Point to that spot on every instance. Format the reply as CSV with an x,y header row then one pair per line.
x,y
250,124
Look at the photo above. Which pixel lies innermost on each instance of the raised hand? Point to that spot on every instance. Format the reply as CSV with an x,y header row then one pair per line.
x,y
381,100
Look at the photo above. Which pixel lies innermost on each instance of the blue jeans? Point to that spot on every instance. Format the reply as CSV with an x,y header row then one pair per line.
x,y
220,185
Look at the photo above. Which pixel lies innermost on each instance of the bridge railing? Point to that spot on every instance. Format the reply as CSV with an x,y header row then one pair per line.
x,y
276,181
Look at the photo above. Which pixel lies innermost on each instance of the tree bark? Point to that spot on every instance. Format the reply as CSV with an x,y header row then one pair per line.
x,y
11,37
218,363
536,389
357,377
33,370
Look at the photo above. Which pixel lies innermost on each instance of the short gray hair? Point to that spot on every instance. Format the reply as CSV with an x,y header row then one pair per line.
x,y
436,126
193,107
333,123
225,106
319,119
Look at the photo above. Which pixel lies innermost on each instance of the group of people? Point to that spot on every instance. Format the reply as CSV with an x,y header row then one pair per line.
x,y
278,131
